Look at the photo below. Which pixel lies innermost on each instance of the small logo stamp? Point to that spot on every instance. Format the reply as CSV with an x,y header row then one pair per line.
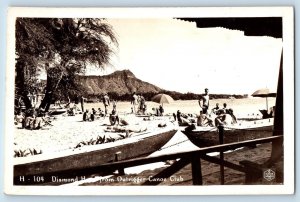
x,y
269,175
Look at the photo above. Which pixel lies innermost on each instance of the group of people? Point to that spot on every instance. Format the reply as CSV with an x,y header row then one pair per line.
x,y
105,100
33,119
92,115
217,116
138,103
158,111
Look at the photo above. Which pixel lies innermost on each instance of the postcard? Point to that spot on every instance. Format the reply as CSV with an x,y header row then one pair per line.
x,y
150,101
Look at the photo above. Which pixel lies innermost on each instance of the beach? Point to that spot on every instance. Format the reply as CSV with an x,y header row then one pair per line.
x,y
67,132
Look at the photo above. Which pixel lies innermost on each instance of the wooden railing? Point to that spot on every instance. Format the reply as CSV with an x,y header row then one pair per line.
x,y
189,157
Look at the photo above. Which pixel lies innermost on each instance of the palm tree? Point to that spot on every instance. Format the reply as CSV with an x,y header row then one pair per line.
x,y
63,47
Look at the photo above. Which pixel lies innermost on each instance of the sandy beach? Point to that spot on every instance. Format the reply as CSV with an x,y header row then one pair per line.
x,y
66,132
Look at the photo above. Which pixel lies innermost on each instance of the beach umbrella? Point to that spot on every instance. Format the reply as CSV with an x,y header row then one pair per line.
x,y
264,92
162,98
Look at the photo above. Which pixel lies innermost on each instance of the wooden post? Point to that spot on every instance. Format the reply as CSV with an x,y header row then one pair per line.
x,y
221,141
196,170
120,170
277,146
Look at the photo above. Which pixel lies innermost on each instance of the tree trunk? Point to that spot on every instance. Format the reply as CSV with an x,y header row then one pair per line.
x,y
20,91
51,86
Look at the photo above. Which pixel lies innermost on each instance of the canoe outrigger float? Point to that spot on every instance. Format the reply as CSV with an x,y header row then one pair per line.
x,y
248,130
84,160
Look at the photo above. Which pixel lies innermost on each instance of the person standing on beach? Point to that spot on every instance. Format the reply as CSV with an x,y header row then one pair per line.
x,y
114,104
225,108
106,103
142,105
82,99
134,102
204,101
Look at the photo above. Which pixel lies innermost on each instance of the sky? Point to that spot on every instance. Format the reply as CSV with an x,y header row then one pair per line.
x,y
176,55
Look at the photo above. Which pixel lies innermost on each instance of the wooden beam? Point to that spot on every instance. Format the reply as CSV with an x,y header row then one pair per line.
x,y
175,167
225,163
196,171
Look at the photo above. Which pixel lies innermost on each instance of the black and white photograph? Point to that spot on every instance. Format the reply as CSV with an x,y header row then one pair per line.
x,y
150,101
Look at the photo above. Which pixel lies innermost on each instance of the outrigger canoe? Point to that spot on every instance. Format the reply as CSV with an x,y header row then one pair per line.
x,y
57,112
248,130
82,161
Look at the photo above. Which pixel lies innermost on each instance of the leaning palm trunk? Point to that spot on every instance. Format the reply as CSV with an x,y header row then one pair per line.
x,y
53,80
21,91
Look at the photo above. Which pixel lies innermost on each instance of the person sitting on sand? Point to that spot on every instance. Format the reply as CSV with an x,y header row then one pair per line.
x,y
93,114
70,111
230,112
182,119
203,120
268,113
215,109
224,119
155,111
101,114
29,118
34,119
86,115
19,118
122,129
114,118
94,111
39,119
272,111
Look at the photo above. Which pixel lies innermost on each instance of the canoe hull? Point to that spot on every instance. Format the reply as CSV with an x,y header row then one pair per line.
x,y
58,112
206,138
82,163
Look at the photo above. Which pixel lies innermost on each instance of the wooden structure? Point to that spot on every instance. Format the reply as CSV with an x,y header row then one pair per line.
x,y
190,157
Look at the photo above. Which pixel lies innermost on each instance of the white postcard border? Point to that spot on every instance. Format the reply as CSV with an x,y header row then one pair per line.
x,y
289,112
